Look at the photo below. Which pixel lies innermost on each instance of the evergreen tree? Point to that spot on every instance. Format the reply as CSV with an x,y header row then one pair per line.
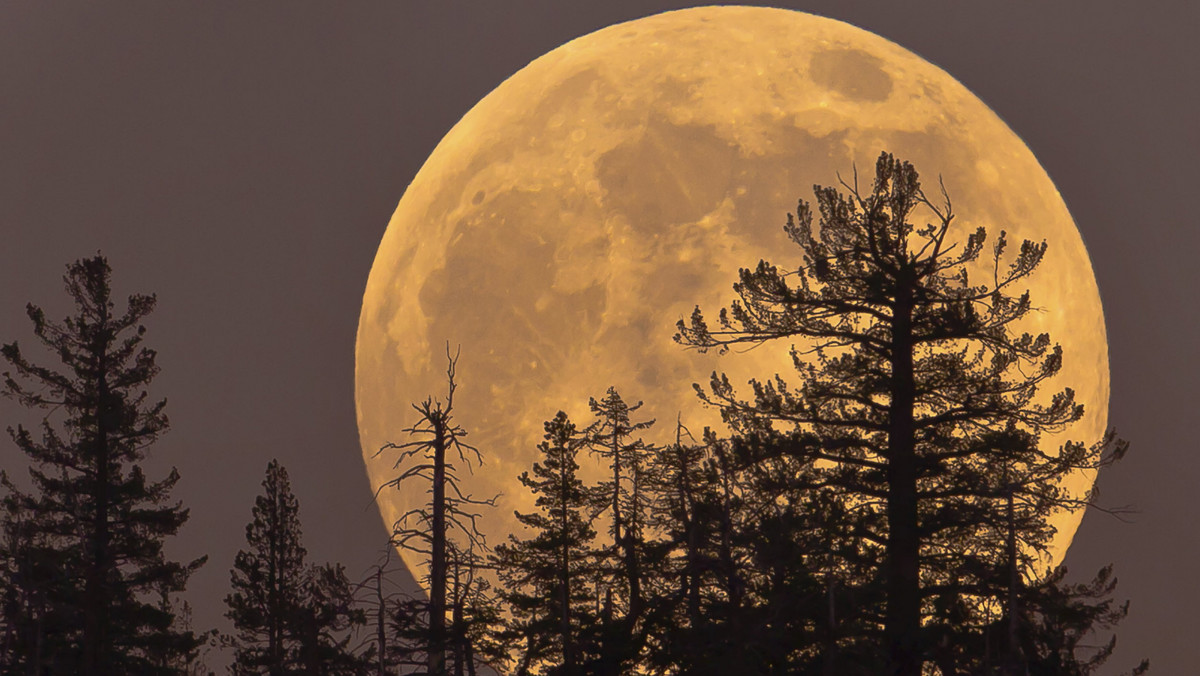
x,y
289,617
1061,617
87,565
408,628
37,608
547,574
913,390
612,436
170,660
677,616
475,616
326,622
268,582
774,579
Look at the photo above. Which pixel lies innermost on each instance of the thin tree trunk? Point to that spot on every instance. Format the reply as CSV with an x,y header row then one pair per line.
x,y
564,580
733,586
632,546
437,569
470,657
692,580
95,611
831,645
618,524
620,532
523,667
459,635
607,649
1015,667
380,625
903,619
274,590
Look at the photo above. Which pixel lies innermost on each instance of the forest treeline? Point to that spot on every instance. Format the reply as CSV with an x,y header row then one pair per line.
x,y
882,509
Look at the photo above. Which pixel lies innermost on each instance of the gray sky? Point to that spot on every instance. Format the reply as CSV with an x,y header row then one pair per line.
x,y
242,160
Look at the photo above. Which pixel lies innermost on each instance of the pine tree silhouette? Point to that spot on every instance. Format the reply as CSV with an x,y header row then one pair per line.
x,y
85,567
612,437
914,390
289,617
546,575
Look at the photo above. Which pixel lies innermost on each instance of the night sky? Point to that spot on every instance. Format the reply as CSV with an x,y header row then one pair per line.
x,y
242,160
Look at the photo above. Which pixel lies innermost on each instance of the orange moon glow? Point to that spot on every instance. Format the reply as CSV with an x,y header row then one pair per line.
x,y
561,228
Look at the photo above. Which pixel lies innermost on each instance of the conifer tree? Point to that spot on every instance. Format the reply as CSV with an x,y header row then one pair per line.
x,y
37,605
697,608
327,620
268,582
678,512
547,574
89,536
1063,618
408,628
612,436
475,615
289,617
728,515
913,388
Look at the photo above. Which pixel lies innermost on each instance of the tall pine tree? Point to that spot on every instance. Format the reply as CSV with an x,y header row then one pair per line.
x,y
914,389
268,582
92,513
289,617
547,575
613,436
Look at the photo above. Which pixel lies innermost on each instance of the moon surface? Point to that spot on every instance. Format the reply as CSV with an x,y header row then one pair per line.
x,y
570,218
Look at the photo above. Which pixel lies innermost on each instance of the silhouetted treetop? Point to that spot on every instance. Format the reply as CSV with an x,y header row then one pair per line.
x,y
93,513
915,396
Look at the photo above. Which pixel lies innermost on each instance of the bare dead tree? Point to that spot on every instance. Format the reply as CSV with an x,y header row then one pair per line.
x,y
434,454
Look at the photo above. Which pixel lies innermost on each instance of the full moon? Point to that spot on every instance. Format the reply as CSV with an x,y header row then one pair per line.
x,y
590,201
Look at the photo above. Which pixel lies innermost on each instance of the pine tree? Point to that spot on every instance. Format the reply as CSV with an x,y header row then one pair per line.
x,y
547,574
408,627
165,656
612,436
678,617
1062,617
326,622
289,617
93,514
774,574
268,582
475,615
913,389
37,605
